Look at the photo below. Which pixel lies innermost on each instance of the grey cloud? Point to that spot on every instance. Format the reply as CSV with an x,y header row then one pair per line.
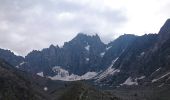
x,y
35,24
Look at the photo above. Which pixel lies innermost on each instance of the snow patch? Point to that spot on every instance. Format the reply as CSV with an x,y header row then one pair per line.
x,y
168,79
161,85
88,75
87,47
156,71
62,74
155,80
130,81
108,47
17,66
142,77
20,64
40,74
87,59
108,71
102,54
142,53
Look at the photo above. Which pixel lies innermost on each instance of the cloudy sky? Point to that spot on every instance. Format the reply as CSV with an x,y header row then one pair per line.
x,y
34,24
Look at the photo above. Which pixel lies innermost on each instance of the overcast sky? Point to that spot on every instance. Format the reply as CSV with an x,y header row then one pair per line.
x,y
35,24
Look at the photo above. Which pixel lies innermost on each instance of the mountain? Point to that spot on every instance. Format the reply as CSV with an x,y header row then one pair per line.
x,y
84,55
165,31
78,56
11,57
115,48
14,86
128,68
145,61
127,60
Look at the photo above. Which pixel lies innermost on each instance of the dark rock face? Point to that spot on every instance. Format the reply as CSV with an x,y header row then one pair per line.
x,y
165,31
79,55
147,56
129,60
11,57
82,54
158,58
14,86
115,48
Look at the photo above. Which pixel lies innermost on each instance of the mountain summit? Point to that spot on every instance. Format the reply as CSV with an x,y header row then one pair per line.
x,y
165,31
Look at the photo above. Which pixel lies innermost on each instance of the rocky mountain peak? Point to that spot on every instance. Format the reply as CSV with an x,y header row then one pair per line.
x,y
52,46
122,39
166,27
84,37
9,56
96,36
165,31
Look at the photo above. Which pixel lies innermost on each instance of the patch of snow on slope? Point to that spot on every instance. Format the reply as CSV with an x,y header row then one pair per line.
x,y
157,70
155,80
20,64
168,79
108,71
62,74
102,54
87,47
142,77
161,85
130,81
88,75
108,47
40,74
142,53
87,59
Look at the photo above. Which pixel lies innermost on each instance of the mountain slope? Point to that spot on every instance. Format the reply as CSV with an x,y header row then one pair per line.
x,y
83,54
11,57
78,56
15,87
18,85
146,60
115,48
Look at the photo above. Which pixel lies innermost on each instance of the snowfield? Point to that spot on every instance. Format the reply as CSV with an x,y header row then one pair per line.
x,y
40,74
108,71
62,74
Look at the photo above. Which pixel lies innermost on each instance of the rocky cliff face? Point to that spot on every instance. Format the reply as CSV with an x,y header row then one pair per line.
x,y
115,48
146,60
164,32
129,61
15,86
78,56
10,57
